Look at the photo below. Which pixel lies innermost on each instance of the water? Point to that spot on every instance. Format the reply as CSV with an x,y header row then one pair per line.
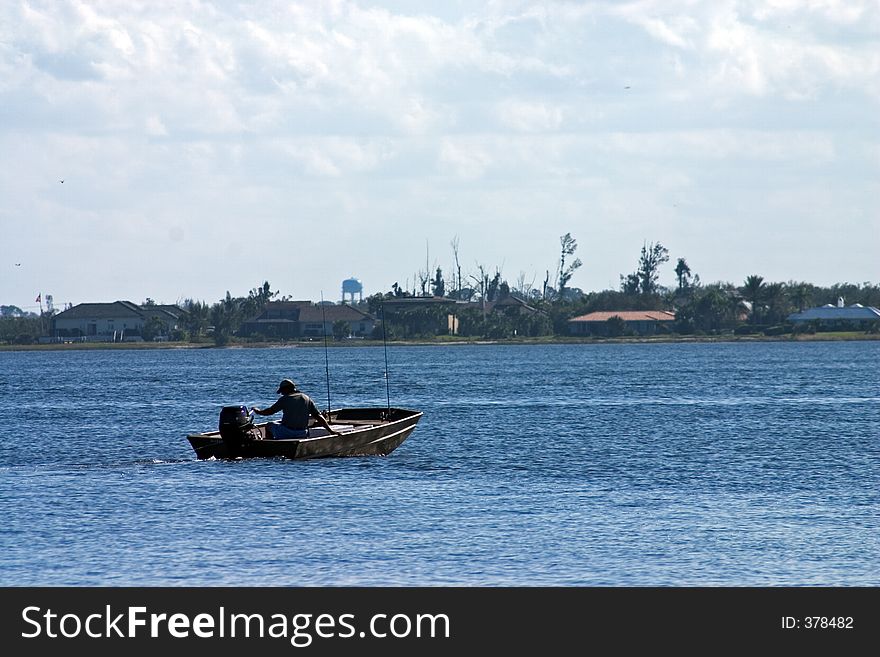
x,y
668,464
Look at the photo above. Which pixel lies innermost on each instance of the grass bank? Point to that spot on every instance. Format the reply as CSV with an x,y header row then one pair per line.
x,y
843,336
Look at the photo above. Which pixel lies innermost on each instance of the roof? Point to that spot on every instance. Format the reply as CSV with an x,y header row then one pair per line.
x,y
172,309
343,312
306,311
121,310
165,313
112,310
419,301
287,305
627,316
513,301
854,312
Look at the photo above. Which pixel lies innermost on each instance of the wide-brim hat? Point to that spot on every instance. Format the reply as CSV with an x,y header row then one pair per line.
x,y
287,384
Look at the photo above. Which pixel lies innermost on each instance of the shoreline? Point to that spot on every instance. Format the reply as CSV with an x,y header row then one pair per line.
x,y
306,344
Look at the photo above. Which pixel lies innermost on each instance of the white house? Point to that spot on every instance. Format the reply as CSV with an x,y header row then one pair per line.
x,y
116,321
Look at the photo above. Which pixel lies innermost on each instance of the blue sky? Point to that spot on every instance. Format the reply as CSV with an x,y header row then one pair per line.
x,y
209,146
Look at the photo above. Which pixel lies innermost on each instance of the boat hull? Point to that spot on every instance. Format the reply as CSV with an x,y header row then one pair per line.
x,y
364,432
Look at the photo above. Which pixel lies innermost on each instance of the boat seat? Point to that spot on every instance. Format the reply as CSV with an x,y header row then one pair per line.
x,y
316,432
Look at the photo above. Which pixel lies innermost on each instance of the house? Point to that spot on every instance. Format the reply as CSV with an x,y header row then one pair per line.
x,y
301,319
438,314
317,320
112,322
401,304
511,303
830,316
641,322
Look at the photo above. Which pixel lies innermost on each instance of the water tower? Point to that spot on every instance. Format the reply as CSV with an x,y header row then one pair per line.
x,y
352,286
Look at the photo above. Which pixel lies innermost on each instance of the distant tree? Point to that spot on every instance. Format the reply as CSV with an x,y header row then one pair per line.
x,y
438,285
375,302
457,277
481,283
653,255
569,246
148,302
498,326
615,326
493,287
20,330
683,274
800,294
735,306
12,311
865,294
153,328
709,309
615,300
753,291
257,299
776,297
196,318
629,284
264,293
225,316
712,309
470,322
341,329
524,288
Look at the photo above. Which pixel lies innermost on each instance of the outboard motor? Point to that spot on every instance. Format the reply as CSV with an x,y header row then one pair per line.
x,y
235,428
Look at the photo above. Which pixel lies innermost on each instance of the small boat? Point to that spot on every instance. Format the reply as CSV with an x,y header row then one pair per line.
x,y
364,432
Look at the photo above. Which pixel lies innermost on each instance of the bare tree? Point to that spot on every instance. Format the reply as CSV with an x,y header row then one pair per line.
x,y
457,279
482,283
523,288
424,277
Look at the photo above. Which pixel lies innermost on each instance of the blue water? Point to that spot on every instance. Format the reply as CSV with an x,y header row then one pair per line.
x,y
667,464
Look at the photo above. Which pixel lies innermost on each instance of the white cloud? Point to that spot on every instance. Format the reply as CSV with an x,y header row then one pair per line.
x,y
530,116
155,127
417,120
464,158
334,156
759,60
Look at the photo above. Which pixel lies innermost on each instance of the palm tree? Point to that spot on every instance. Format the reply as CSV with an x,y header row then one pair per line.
x,y
226,316
753,291
735,306
196,318
683,273
775,294
801,295
711,309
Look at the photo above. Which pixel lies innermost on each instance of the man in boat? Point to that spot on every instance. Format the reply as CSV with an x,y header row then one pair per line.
x,y
296,407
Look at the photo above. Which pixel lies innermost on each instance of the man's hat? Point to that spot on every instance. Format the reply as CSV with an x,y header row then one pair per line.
x,y
287,384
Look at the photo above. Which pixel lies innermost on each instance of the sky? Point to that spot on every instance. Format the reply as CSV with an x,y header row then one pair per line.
x,y
206,147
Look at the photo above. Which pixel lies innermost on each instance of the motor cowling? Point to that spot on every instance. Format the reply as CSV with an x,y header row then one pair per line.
x,y
235,427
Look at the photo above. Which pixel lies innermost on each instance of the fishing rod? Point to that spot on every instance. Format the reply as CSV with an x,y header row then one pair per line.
x,y
326,356
385,347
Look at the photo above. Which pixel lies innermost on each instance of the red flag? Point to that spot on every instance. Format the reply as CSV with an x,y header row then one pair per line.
x,y
39,297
